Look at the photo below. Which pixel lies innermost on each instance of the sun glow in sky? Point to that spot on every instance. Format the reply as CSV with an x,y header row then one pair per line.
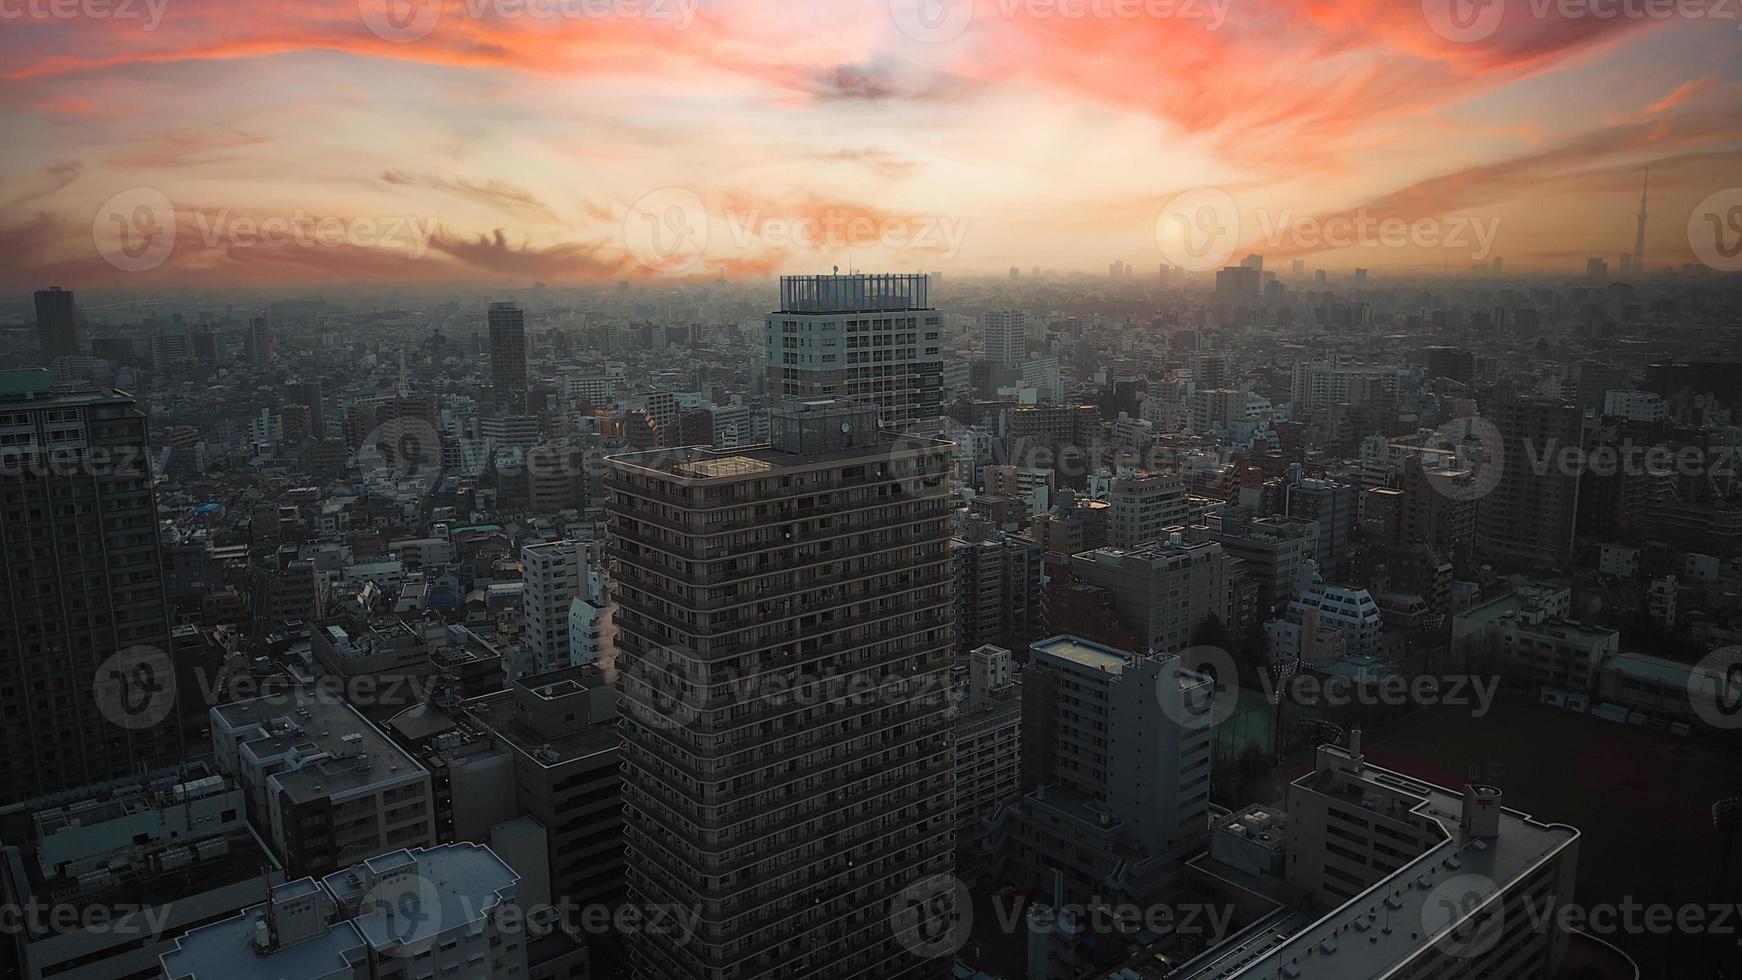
x,y
299,141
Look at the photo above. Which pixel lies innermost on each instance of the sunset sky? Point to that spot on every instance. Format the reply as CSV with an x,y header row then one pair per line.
x,y
565,142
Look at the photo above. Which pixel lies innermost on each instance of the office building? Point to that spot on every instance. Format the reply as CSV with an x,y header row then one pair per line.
x,y
1408,880
1117,748
873,339
84,623
1332,506
119,869
1164,591
507,323
562,730
325,787
761,593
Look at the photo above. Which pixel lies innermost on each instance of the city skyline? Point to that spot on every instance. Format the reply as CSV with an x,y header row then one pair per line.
x,y
496,142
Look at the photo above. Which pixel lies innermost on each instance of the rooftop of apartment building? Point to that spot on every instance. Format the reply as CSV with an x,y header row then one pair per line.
x,y
226,949
1383,927
337,750
454,884
34,388
1087,653
702,463
109,845
1172,547
533,715
1513,608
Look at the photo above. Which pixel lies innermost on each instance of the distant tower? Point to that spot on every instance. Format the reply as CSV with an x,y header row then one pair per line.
x,y
1639,236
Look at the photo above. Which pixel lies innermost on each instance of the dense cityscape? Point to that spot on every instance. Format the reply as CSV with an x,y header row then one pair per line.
x,y
752,585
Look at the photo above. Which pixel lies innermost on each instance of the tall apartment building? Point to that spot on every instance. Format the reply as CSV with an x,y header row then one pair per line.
x,y
761,593
1006,337
979,593
1532,513
553,574
57,324
507,323
1141,506
1117,747
1318,384
988,747
1165,590
84,623
869,338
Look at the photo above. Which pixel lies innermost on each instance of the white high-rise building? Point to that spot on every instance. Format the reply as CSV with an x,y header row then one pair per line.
x,y
869,338
553,574
1006,336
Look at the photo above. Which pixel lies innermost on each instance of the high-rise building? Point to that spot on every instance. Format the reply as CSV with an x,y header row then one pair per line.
x,y
871,338
1142,506
553,573
258,346
84,623
1531,515
508,357
783,661
1006,336
57,323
